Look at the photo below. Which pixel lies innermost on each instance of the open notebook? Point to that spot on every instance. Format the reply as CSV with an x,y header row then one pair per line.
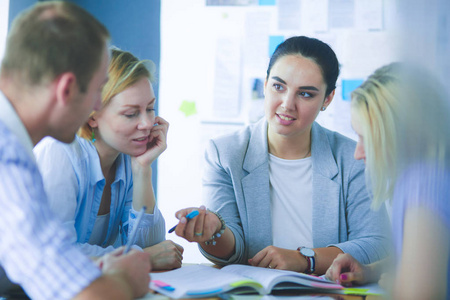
x,y
197,281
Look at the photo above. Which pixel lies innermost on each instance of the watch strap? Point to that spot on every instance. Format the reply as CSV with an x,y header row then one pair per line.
x,y
311,260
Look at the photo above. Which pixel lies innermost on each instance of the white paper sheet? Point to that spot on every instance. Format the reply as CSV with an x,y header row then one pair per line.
x,y
341,13
289,14
256,40
314,15
369,14
227,79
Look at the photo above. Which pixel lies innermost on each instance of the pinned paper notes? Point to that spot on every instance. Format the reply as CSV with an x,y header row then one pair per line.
x,y
188,108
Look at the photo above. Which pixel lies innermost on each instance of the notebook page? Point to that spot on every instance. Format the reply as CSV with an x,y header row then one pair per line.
x,y
193,280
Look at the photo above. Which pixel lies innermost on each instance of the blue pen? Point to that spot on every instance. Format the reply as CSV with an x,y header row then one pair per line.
x,y
132,236
189,216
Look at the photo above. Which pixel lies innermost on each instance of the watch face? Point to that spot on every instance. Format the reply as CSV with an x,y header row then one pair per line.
x,y
307,252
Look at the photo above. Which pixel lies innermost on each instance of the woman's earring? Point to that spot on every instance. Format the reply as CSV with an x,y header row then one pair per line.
x,y
323,108
93,136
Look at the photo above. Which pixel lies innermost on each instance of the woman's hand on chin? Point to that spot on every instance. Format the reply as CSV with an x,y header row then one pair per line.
x,y
156,145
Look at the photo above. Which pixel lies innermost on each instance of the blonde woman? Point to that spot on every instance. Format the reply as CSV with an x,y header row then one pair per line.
x,y
401,116
99,183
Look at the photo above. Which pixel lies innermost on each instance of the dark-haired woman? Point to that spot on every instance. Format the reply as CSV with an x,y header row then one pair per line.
x,y
286,193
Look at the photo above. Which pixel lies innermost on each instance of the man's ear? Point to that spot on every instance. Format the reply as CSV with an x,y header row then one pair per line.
x,y
66,87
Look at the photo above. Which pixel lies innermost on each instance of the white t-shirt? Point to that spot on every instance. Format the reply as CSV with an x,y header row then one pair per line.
x,y
291,202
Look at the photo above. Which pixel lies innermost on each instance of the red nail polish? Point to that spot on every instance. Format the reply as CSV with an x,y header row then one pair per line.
x,y
343,276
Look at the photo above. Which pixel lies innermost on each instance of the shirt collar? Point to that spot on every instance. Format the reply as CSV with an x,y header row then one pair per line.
x,y
11,119
121,161
120,167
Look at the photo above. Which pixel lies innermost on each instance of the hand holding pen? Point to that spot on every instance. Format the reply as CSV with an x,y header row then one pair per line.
x,y
189,216
199,228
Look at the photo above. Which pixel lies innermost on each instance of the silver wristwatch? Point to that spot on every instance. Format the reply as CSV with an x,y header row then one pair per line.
x,y
309,254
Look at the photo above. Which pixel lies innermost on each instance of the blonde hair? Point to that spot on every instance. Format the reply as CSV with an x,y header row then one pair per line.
x,y
124,71
52,38
390,106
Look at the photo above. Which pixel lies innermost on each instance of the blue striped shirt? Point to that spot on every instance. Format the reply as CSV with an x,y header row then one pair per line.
x,y
34,251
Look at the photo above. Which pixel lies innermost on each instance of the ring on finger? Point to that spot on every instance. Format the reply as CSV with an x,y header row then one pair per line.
x,y
198,233
270,267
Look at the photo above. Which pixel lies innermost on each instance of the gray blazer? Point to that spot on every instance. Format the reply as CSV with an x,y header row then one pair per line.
x,y
236,184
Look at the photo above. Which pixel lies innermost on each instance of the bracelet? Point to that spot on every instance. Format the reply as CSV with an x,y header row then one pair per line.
x,y
212,240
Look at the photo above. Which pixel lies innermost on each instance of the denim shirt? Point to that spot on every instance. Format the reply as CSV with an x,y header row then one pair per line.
x,y
74,182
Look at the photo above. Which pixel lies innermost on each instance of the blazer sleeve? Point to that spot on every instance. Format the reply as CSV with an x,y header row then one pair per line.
x,y
367,230
219,195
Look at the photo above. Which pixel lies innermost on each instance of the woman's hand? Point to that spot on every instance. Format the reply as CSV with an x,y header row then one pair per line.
x,y
156,145
386,281
278,258
199,229
166,255
346,270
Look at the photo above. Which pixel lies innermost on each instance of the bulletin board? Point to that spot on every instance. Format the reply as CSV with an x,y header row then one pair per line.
x,y
214,57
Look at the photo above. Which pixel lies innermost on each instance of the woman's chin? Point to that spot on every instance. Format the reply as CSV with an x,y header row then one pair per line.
x,y
135,151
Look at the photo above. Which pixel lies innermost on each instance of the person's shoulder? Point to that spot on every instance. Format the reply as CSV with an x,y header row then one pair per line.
x,y
237,139
47,144
342,150
339,139
426,175
425,184
339,143
11,149
78,149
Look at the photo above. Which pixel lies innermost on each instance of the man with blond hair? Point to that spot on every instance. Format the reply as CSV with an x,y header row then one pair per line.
x,y
51,78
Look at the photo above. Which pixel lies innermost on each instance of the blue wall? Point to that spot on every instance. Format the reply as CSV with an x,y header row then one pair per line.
x,y
16,6
134,26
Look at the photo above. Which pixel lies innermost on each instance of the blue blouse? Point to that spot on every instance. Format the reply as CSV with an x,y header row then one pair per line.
x,y
74,182
422,185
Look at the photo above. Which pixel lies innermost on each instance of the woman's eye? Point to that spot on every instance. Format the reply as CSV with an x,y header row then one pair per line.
x,y
150,110
131,115
305,94
277,86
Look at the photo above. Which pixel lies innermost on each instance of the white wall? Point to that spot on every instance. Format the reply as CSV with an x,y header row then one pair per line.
x,y
209,55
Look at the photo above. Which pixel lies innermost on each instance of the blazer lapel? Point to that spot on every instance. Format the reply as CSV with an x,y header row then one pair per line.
x,y
256,191
326,192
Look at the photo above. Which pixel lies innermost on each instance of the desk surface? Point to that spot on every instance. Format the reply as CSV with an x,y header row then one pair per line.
x,y
18,294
